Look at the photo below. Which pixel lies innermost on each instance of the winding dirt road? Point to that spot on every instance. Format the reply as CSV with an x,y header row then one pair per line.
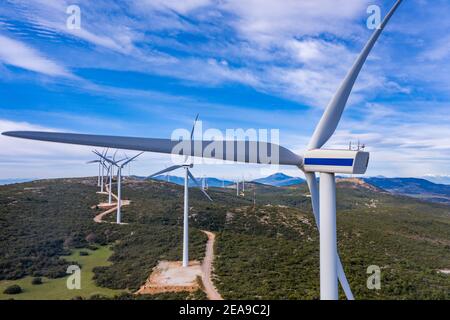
x,y
206,267
99,218
209,287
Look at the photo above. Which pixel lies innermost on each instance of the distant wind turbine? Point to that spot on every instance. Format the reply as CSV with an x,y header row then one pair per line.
x,y
187,174
101,170
119,167
315,159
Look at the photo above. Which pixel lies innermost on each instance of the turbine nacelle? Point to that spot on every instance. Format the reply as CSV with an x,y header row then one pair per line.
x,y
336,161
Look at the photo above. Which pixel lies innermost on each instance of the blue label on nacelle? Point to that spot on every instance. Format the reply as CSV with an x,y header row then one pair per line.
x,y
329,162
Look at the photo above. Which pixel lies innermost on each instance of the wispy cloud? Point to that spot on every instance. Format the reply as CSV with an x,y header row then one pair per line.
x,y
287,36
296,51
18,54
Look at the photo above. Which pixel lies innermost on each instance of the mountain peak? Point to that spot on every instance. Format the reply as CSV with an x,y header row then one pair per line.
x,y
279,175
279,179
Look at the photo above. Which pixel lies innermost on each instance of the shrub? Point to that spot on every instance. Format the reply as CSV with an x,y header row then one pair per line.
x,y
14,289
36,281
91,237
84,253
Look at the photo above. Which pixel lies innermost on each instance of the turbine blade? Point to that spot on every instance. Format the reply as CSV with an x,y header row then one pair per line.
x,y
198,185
105,158
237,151
314,191
332,115
132,159
165,170
192,136
93,161
193,127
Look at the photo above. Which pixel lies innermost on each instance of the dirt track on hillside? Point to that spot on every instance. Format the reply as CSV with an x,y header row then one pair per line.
x,y
207,268
99,218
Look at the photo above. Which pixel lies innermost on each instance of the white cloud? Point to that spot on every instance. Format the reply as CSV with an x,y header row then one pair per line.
x,y
285,36
18,54
13,148
274,20
296,49
21,158
182,7
402,141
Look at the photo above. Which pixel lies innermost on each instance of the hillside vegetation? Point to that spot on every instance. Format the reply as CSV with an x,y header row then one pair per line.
x,y
267,251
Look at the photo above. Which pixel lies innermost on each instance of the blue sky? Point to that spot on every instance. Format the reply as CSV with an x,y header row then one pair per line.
x,y
145,68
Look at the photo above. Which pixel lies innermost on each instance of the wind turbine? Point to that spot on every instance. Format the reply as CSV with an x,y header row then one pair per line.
x,y
187,174
110,169
315,160
101,170
119,179
203,183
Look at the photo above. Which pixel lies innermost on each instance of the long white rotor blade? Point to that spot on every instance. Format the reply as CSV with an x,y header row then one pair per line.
x,y
330,119
198,185
193,127
237,151
192,135
165,170
314,190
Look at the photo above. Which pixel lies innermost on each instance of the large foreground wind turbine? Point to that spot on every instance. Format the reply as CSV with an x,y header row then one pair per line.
x,y
325,162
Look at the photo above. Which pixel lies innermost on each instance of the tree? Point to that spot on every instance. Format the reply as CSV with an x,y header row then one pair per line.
x,y
14,289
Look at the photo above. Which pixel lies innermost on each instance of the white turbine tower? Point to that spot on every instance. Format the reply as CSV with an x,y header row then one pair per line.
x,y
108,164
101,170
187,175
325,162
110,173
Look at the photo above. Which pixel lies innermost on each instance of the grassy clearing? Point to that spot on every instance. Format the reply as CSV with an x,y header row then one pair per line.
x,y
56,289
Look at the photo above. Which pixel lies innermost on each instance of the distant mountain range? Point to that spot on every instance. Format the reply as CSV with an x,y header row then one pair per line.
x,y
12,181
275,180
211,182
280,180
438,179
421,188
413,187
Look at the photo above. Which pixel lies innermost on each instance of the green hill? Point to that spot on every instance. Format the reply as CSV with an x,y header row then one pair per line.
x,y
267,251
